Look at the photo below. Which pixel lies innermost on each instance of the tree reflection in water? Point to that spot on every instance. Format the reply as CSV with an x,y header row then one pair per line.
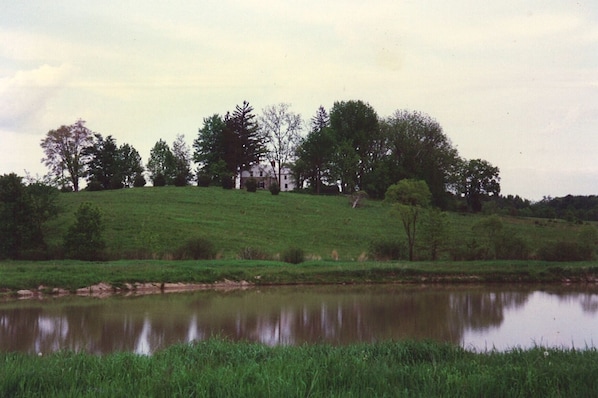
x,y
277,315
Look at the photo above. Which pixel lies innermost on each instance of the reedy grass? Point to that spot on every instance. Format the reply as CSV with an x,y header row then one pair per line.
x,y
222,368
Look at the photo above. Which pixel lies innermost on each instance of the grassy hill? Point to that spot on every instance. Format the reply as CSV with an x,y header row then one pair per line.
x,y
153,222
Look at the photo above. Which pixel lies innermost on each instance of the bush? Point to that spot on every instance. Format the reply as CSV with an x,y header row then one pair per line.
x,y
203,180
251,185
274,188
180,180
94,186
564,251
388,249
251,253
139,181
293,255
159,180
196,249
510,246
228,182
84,240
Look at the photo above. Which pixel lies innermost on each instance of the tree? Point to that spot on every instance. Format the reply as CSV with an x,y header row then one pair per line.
x,y
131,166
435,230
315,152
478,181
416,147
23,211
84,240
161,164
409,198
209,149
281,129
63,149
355,125
103,164
243,143
182,161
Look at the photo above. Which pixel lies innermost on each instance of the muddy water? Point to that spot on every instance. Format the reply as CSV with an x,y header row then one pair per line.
x,y
474,317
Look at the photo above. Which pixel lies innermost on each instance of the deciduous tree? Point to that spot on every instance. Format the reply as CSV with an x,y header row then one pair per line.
x,y
281,128
161,164
63,149
478,181
409,198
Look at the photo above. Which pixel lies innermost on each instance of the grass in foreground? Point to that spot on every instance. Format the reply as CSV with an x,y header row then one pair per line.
x,y
71,275
217,368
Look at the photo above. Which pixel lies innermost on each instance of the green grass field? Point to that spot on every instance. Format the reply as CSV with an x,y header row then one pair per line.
x,y
152,222
219,368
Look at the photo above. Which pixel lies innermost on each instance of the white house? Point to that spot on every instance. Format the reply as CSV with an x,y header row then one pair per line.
x,y
265,175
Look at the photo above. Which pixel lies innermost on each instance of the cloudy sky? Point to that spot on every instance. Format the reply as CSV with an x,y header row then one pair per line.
x,y
513,82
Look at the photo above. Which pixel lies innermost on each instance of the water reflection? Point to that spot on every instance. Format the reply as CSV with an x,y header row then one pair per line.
x,y
475,317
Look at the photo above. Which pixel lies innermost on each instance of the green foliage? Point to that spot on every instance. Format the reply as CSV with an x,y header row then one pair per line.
x,y
478,181
203,180
388,249
408,198
159,180
417,149
293,255
274,188
64,152
161,164
199,248
84,239
23,212
435,232
139,181
251,185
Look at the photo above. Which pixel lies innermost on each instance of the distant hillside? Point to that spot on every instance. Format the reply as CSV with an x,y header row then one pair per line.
x,y
160,219
146,222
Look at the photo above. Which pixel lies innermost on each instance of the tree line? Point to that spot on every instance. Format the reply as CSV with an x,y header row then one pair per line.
x,y
346,149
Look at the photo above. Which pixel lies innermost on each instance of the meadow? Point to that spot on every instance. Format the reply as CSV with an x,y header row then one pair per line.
x,y
221,368
151,223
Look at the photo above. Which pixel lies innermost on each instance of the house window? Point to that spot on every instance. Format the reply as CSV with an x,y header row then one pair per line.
x,y
251,174
261,173
285,177
286,186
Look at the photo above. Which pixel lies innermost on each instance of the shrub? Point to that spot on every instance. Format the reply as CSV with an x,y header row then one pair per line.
x,y
251,185
388,249
180,180
84,240
251,253
293,255
203,180
274,188
159,180
228,182
94,186
139,181
510,246
564,251
198,248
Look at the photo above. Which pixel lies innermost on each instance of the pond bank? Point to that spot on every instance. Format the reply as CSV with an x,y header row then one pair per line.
x,y
31,279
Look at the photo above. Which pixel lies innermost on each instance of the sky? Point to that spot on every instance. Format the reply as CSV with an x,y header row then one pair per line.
x,y
512,82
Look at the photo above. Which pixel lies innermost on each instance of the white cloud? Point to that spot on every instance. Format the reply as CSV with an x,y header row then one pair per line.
x,y
28,94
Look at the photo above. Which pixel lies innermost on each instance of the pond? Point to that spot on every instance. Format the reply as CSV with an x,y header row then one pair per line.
x,y
475,317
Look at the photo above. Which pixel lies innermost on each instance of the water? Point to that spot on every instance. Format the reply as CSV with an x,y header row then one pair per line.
x,y
475,317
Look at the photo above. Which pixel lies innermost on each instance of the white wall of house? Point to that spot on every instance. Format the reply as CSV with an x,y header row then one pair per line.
x,y
265,175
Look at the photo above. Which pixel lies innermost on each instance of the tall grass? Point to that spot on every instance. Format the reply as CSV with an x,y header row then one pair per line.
x,y
219,368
